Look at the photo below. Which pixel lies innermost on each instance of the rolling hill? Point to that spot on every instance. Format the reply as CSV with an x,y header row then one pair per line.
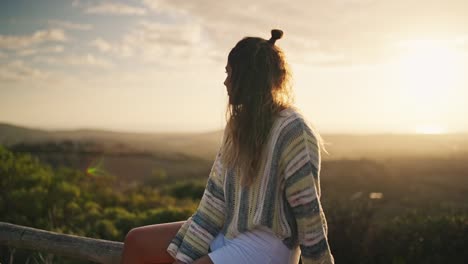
x,y
204,145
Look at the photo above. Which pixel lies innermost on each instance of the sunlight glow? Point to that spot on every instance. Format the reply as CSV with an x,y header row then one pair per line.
x,y
427,74
428,68
431,130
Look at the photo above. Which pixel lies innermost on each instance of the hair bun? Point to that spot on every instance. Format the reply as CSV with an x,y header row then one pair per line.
x,y
275,34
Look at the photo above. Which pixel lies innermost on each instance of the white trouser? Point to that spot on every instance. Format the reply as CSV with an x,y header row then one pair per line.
x,y
256,246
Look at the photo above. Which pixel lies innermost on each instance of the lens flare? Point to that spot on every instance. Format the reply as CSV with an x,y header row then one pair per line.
x,y
96,167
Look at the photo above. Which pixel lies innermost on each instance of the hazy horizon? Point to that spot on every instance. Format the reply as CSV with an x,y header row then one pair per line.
x,y
104,129
359,66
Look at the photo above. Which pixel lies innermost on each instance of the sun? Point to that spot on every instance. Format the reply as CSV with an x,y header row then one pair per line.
x,y
430,129
427,74
428,68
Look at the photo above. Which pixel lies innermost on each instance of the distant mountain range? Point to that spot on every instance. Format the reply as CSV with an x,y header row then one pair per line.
x,y
201,145
204,145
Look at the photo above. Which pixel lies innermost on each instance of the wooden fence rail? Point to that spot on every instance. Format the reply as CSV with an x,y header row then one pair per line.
x,y
84,248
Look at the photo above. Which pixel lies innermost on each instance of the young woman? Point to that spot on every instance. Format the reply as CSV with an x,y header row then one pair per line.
x,y
262,199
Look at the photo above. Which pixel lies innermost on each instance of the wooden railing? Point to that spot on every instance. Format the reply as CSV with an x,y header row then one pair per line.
x,y
83,248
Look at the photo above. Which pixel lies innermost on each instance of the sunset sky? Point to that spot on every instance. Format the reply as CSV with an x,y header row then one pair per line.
x,y
359,66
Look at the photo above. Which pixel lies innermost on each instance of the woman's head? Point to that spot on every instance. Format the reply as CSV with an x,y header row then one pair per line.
x,y
257,72
258,86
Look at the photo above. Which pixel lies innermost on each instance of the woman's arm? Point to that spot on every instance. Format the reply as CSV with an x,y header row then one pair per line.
x,y
302,190
193,240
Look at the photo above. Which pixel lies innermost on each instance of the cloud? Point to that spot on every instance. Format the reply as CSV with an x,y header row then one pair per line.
x,y
70,25
17,71
38,37
164,7
34,51
350,31
225,23
116,9
158,42
119,49
348,3
87,60
102,45
76,60
153,33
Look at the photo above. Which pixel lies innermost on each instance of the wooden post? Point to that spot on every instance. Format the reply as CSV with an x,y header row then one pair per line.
x,y
85,248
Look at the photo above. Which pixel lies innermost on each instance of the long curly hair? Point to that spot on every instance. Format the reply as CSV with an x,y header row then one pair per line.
x,y
260,89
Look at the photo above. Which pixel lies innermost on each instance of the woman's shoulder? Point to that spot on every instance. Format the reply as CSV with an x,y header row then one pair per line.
x,y
293,118
294,122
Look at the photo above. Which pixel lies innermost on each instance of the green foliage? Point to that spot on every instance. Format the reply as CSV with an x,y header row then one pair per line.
x,y
157,178
349,222
192,190
25,189
164,215
417,238
361,230
74,202
106,228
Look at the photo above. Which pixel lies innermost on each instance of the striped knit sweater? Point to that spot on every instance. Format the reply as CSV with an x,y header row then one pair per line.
x,y
284,198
